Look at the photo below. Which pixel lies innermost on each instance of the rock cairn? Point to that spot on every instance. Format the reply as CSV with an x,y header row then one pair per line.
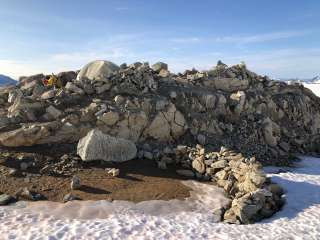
x,y
257,120
253,195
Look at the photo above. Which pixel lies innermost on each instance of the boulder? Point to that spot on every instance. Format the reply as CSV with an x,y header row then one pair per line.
x,y
98,146
157,67
97,70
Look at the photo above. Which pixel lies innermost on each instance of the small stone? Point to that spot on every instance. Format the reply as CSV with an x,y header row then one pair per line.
x,y
48,94
148,155
12,171
64,157
217,215
199,165
162,165
113,171
164,73
5,199
222,175
173,95
182,149
167,160
168,150
208,162
109,118
53,112
88,88
103,88
29,195
276,189
75,183
119,99
24,166
70,197
73,88
219,164
201,139
202,151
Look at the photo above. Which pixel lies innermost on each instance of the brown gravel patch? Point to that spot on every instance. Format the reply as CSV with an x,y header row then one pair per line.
x,y
139,180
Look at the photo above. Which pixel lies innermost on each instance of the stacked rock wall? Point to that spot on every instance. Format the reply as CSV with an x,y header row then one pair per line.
x,y
228,106
255,119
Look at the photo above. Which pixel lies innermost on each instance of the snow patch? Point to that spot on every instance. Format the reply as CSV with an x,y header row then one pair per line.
x,y
299,219
314,87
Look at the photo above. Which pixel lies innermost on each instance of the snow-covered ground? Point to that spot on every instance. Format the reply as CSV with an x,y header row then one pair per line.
x,y
299,219
315,87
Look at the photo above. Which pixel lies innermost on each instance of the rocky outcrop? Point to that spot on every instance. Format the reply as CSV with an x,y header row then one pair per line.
x,y
257,120
43,133
229,106
98,146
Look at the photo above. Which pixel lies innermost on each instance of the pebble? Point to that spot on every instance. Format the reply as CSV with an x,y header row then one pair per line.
x,y
24,166
162,165
113,171
75,183
70,197
5,199
12,171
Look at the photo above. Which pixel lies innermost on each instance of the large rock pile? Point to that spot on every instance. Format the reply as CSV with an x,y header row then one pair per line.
x,y
253,116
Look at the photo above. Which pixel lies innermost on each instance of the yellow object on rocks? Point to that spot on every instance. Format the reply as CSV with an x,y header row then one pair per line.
x,y
53,81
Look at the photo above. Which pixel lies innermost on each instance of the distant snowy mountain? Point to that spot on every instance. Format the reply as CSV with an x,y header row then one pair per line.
x,y
315,80
5,80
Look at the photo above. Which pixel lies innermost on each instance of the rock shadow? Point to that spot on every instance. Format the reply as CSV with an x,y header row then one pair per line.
x,y
299,196
94,190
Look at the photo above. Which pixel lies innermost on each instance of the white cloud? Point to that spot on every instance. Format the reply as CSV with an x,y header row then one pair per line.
x,y
186,40
276,63
121,9
261,37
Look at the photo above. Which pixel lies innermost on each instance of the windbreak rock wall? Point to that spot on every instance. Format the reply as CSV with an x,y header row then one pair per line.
x,y
216,125
229,106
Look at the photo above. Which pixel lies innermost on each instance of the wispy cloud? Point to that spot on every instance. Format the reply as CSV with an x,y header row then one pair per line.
x,y
258,38
121,9
186,40
243,39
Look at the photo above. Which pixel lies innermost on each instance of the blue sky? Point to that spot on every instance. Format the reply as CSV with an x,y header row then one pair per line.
x,y
278,38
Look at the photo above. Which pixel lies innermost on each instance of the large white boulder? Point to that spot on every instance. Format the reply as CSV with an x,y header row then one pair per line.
x,y
97,70
99,146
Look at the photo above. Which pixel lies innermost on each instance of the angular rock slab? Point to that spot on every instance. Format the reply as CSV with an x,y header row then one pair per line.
x,y
99,146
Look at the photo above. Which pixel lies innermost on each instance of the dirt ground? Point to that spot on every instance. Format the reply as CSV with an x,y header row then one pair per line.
x,y
139,179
